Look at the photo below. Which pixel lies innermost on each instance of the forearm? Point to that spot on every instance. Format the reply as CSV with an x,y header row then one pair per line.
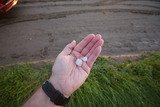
x,y
39,99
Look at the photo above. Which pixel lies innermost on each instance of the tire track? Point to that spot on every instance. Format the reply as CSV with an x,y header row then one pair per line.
x,y
100,3
68,5
141,5
8,20
111,2
35,1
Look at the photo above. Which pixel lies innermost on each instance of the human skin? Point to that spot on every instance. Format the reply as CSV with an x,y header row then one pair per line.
x,y
66,76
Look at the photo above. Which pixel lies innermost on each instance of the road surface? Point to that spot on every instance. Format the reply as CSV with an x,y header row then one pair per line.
x,y
39,29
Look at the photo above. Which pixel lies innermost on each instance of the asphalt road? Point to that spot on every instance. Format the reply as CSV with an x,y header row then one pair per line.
x,y
40,29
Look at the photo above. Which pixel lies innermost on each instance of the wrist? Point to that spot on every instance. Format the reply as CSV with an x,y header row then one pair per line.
x,y
58,87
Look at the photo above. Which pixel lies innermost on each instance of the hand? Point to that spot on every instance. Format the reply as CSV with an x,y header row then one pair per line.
x,y
66,75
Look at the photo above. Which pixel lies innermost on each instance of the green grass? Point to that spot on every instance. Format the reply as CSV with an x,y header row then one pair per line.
x,y
110,84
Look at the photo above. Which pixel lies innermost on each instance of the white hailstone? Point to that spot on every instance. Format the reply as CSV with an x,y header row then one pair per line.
x,y
84,59
79,62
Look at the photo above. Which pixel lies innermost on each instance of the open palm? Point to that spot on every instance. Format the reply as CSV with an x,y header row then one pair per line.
x,y
66,75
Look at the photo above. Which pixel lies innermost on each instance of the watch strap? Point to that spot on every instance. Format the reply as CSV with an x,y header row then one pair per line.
x,y
55,96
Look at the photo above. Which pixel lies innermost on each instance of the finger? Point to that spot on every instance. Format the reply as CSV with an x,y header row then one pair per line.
x,y
68,49
98,43
92,58
90,44
84,42
76,54
86,68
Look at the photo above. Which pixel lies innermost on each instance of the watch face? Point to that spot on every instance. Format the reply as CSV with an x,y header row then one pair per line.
x,y
6,5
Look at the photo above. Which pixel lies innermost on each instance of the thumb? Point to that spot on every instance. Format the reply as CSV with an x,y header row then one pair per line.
x,y
68,49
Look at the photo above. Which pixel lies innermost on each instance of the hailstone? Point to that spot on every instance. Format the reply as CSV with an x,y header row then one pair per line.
x,y
84,59
79,62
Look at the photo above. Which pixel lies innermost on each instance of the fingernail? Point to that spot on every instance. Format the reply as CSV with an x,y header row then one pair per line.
x,y
99,35
73,41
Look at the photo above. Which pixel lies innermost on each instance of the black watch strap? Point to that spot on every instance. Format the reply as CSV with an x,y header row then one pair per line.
x,y
55,96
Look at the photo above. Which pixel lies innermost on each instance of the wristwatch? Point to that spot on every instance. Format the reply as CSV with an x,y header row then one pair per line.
x,y
55,96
